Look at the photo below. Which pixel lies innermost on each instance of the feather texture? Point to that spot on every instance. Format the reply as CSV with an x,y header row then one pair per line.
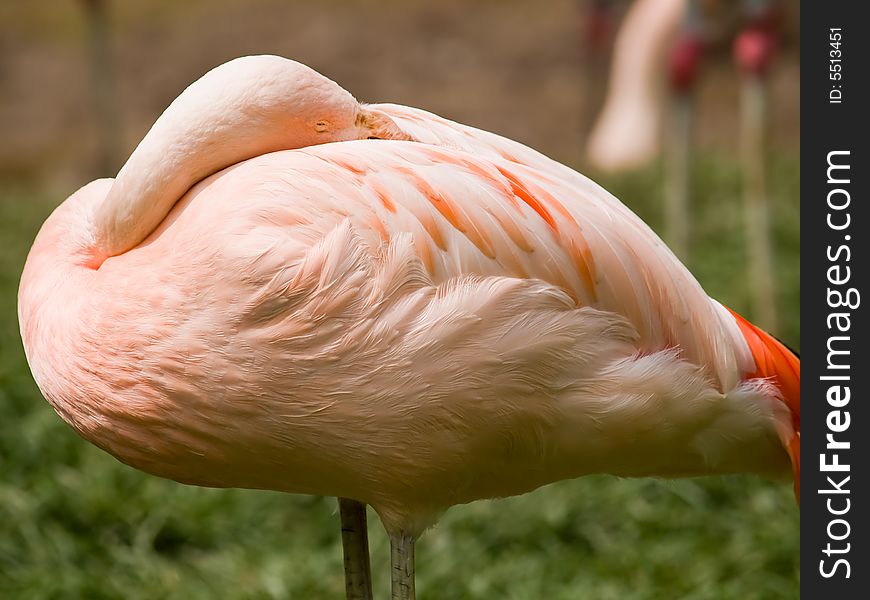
x,y
413,324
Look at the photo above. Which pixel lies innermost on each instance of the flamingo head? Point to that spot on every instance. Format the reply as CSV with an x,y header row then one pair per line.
x,y
282,104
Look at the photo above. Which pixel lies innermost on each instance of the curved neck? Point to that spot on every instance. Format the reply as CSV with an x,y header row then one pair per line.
x,y
170,160
244,108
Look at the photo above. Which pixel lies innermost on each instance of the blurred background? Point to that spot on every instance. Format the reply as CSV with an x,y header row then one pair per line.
x,y
82,81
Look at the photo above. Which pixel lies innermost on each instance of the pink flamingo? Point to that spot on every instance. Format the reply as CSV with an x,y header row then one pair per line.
x,y
266,298
627,133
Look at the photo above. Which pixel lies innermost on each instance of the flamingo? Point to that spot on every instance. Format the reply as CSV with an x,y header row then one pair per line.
x,y
626,134
286,289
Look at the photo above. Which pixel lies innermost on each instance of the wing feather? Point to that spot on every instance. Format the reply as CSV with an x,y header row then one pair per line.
x,y
466,217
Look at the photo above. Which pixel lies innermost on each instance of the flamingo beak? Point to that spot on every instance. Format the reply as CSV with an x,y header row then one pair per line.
x,y
373,124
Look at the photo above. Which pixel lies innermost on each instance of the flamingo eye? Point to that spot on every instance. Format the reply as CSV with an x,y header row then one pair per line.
x,y
321,126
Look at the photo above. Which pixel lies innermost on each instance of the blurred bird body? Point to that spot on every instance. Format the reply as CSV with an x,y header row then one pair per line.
x,y
431,318
627,133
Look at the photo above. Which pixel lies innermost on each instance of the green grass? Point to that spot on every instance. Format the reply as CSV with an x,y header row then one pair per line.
x,y
75,523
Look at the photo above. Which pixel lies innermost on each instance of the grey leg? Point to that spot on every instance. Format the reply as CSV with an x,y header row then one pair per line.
x,y
355,543
402,567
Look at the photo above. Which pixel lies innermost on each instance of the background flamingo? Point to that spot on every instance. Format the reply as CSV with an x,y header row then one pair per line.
x,y
628,134
429,318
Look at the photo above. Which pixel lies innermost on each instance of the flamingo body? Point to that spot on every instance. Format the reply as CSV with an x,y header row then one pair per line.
x,y
411,324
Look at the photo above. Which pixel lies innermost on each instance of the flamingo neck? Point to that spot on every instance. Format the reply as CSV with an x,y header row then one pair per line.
x,y
241,109
148,185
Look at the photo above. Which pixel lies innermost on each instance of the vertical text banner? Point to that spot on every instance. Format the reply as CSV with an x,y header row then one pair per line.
x,y
835,113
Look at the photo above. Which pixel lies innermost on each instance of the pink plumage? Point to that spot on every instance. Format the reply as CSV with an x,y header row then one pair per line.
x,y
266,298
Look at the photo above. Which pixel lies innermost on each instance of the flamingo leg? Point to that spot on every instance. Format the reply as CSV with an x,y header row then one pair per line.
x,y
684,70
355,543
756,209
402,566
753,52
678,180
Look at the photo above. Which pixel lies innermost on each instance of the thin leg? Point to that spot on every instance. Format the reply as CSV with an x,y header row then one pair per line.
x,y
761,273
402,568
678,178
355,543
